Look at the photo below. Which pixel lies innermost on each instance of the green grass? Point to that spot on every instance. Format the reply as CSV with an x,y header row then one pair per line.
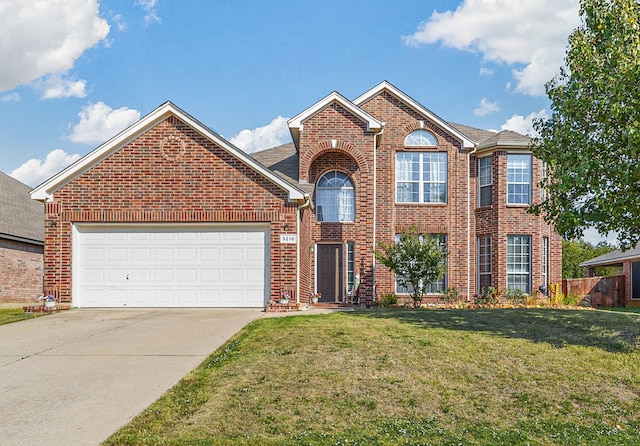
x,y
410,377
10,315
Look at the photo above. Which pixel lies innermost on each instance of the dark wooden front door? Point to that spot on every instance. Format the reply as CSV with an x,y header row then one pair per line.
x,y
635,280
329,270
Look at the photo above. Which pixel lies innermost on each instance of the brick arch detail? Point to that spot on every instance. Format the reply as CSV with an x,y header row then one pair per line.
x,y
327,147
428,125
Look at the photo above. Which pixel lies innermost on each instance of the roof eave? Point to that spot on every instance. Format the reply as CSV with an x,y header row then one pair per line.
x,y
467,143
45,191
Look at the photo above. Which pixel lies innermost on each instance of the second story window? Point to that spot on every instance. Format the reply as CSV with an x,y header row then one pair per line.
x,y
518,179
421,177
335,198
485,181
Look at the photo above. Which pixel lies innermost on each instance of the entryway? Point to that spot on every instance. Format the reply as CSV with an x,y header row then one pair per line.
x,y
329,272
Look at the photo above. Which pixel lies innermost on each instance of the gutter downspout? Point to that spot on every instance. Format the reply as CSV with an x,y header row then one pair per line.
x,y
473,152
306,204
375,210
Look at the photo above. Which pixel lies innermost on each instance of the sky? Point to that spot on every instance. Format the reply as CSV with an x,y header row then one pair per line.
x,y
77,72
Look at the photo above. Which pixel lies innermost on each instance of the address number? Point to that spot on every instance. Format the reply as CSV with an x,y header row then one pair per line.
x,y
288,238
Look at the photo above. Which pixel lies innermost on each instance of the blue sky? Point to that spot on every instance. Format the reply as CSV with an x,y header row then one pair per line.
x,y
76,72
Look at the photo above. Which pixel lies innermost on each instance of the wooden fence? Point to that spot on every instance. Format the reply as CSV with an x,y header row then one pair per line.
x,y
604,291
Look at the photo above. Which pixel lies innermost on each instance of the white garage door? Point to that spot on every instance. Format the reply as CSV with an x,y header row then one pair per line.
x,y
170,266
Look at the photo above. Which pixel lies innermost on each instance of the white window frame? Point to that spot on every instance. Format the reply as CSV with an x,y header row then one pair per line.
x,y
346,187
485,184
421,138
418,177
519,262
518,178
485,256
351,267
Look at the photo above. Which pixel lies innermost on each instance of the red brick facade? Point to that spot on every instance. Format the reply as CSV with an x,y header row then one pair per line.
x,y
173,173
146,181
21,271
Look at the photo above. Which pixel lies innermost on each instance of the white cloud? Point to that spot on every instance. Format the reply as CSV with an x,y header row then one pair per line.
x,y
271,135
44,37
11,97
56,86
118,20
524,124
484,71
99,122
515,32
591,235
35,171
149,7
486,107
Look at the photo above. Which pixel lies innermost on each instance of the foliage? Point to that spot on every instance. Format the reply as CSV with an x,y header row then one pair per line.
x,y
488,296
450,296
10,315
575,252
516,296
416,261
386,300
591,142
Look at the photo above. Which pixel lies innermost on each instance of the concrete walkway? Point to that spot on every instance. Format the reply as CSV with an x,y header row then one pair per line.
x,y
75,377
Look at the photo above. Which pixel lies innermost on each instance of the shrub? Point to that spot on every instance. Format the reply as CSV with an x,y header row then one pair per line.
x,y
516,295
387,299
488,296
450,295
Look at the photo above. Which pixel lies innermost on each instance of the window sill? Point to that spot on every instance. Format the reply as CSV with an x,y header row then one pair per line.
x,y
423,204
522,206
336,222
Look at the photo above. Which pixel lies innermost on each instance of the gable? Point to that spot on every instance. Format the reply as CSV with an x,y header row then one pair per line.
x,y
337,101
411,104
171,148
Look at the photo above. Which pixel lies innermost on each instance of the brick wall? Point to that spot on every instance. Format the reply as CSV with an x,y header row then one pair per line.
x,y
334,139
20,271
169,174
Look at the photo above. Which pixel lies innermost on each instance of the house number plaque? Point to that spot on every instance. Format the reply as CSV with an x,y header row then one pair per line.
x,y
288,238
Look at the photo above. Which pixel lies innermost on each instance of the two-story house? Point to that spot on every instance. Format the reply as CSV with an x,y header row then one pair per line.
x,y
169,213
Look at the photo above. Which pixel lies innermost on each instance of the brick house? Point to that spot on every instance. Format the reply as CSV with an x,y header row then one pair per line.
x,y
21,242
168,213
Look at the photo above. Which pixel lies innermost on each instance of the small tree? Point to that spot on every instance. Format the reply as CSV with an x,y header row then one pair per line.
x,y
416,260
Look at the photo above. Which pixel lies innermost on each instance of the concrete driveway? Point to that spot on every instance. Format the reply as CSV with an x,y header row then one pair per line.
x,y
77,376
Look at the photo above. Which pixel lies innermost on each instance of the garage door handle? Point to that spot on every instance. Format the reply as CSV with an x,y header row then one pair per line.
x,y
127,276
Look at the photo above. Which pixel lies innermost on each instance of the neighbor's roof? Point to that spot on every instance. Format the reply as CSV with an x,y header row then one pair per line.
x,y
21,218
46,190
617,256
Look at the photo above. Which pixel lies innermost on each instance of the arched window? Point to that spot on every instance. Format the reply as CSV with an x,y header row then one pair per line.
x,y
335,198
420,138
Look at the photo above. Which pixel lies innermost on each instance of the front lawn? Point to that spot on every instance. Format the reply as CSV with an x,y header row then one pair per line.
x,y
9,315
388,377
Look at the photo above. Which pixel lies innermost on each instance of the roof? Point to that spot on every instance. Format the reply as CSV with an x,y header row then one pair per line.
x,y
45,191
296,123
505,139
617,256
384,85
21,218
283,160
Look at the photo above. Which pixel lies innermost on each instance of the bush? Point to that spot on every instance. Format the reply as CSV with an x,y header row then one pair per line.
x,y
450,296
488,296
516,296
387,299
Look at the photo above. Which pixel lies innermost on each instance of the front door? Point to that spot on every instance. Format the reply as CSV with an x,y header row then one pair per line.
x,y
329,272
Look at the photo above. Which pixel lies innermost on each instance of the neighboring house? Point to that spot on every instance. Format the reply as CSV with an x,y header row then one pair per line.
x,y
630,262
168,213
21,242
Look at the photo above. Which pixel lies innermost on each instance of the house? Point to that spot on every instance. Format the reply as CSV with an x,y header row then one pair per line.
x,y
21,242
630,262
169,213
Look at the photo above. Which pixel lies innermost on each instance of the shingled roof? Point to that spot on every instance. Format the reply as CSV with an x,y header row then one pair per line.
x,y
21,218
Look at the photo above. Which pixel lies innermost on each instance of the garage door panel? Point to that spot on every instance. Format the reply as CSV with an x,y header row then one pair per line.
x,y
165,266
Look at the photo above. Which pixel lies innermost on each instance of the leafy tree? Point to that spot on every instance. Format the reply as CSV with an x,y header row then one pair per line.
x,y
575,252
591,142
416,261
